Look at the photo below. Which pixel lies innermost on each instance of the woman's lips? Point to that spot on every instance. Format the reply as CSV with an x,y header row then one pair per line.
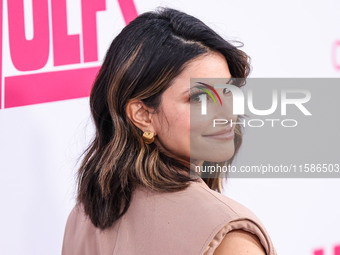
x,y
225,134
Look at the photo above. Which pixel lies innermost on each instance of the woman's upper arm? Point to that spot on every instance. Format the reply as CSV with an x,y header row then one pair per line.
x,y
240,242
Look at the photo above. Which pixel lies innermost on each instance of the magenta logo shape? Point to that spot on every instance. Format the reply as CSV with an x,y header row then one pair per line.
x,y
33,54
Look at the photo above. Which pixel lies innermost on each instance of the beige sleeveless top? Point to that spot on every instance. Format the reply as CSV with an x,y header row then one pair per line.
x,y
192,221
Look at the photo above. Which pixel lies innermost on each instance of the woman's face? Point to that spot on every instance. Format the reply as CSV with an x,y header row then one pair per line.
x,y
181,128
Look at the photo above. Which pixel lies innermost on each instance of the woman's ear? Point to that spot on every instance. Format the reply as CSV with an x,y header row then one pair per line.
x,y
140,115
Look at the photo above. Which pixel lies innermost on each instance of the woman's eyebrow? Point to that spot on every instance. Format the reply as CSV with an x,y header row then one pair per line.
x,y
203,85
198,86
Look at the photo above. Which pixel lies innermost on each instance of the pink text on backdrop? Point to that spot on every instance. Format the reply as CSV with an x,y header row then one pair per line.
x,y
29,55
336,251
336,54
1,53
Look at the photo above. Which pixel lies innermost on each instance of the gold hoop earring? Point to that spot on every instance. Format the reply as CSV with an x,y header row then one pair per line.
x,y
148,137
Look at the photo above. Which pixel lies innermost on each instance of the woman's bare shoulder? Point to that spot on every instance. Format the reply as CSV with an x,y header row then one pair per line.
x,y
240,242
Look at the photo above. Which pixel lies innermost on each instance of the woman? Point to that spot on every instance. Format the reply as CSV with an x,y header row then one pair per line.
x,y
138,189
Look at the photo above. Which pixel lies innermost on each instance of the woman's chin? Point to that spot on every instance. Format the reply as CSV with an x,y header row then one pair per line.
x,y
213,155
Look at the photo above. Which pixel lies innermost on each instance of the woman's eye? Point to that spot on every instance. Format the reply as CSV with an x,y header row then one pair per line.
x,y
197,97
226,90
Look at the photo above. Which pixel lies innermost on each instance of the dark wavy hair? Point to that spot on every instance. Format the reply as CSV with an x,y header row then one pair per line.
x,y
140,64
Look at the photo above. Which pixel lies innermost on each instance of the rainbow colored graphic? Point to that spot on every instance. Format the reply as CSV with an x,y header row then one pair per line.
x,y
212,88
